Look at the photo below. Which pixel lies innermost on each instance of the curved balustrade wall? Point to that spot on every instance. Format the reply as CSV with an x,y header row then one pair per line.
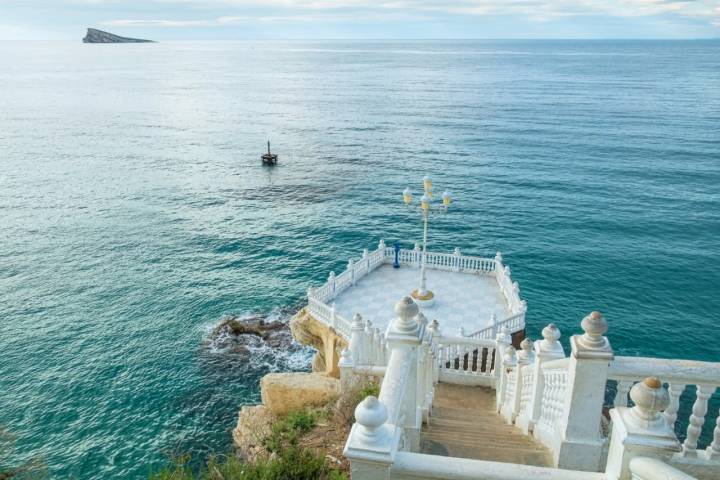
x,y
320,299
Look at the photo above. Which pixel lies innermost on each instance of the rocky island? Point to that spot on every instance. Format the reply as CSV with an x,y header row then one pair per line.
x,y
98,36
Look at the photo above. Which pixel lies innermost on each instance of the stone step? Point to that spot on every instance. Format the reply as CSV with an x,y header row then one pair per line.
x,y
464,424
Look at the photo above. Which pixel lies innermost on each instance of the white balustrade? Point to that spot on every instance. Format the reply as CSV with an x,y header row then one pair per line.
x,y
678,374
555,378
642,468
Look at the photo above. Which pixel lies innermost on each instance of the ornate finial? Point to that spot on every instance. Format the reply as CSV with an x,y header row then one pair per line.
x,y
551,334
509,356
434,327
406,310
507,271
461,331
331,276
456,252
416,247
650,399
365,252
503,336
381,244
368,327
351,263
357,322
526,354
498,256
594,326
370,414
345,358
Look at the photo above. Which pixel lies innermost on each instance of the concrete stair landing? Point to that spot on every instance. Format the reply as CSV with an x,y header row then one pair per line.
x,y
464,424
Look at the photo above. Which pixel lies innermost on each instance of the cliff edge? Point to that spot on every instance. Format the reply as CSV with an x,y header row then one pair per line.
x,y
98,36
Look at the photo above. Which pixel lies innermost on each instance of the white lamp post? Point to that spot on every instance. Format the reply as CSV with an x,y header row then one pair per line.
x,y
422,295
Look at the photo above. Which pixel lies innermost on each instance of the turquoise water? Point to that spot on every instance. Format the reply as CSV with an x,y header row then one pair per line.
x,y
134,213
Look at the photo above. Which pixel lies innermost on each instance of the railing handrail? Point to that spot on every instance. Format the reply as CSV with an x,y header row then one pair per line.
x,y
420,465
559,364
668,370
474,342
392,391
645,468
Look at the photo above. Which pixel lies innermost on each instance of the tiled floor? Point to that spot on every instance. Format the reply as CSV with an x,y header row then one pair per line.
x,y
460,298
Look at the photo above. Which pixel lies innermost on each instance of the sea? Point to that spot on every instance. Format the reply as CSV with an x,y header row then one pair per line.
x,y
135,214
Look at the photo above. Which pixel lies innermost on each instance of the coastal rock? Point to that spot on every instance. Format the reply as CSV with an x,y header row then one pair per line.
x,y
286,392
308,330
242,335
253,426
98,36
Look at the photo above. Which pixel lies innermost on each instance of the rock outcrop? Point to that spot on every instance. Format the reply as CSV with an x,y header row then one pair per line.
x,y
283,393
98,36
309,331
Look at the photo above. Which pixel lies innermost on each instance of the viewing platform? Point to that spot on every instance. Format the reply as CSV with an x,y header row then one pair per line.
x,y
473,297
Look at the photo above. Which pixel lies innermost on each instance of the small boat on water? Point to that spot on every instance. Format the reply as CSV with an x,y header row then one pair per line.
x,y
269,158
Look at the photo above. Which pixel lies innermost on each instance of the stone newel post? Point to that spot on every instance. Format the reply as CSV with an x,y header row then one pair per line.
x,y
641,430
357,341
580,442
525,360
405,332
502,341
371,444
549,348
509,363
347,375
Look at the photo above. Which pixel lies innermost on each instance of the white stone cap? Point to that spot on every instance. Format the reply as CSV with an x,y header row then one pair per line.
x,y
526,355
549,346
406,310
644,424
592,344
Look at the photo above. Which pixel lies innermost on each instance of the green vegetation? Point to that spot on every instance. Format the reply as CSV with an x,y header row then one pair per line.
x,y
288,460
369,388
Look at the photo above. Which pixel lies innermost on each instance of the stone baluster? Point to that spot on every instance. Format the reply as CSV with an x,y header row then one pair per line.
x,y
713,450
641,430
333,316
347,374
502,341
434,330
498,263
579,443
357,341
623,388
331,282
369,338
416,251
547,349
675,389
371,443
456,260
382,358
351,268
697,419
493,322
509,365
366,259
377,346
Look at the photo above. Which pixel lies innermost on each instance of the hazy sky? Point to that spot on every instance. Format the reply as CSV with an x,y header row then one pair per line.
x,y
243,19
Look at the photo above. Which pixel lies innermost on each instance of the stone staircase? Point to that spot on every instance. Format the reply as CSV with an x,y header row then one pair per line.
x,y
464,424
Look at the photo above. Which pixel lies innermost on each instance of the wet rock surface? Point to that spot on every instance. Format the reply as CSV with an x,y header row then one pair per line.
x,y
241,335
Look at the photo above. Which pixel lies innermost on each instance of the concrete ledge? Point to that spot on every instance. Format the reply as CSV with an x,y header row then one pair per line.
x,y
283,393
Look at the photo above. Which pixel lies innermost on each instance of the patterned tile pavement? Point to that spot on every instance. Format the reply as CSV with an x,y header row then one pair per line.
x,y
460,298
